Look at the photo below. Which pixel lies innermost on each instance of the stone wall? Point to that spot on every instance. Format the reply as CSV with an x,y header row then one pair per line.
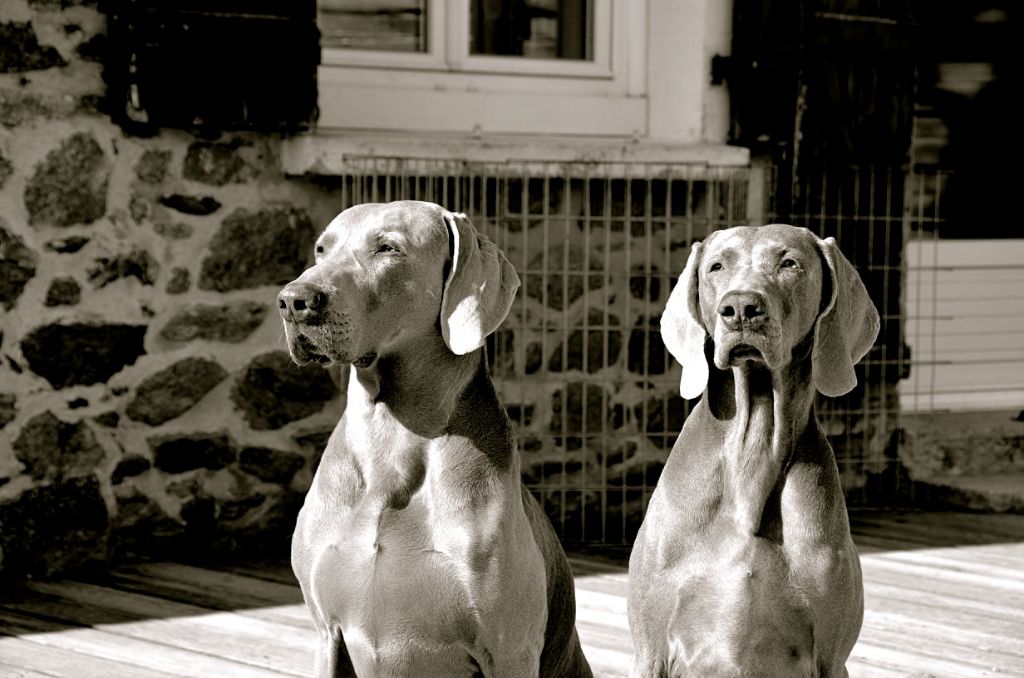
x,y
146,400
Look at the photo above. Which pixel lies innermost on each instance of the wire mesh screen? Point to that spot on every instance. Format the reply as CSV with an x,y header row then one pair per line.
x,y
579,362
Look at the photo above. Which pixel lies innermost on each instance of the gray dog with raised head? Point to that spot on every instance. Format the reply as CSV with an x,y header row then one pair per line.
x,y
744,565
419,551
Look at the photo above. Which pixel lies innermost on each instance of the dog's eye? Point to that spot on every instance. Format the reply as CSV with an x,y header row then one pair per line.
x,y
717,266
789,263
319,249
384,248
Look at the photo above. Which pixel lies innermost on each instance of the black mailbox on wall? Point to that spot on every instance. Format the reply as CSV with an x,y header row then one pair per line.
x,y
213,64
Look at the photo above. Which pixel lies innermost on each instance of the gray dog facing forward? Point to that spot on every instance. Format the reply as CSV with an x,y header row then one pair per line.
x,y
419,551
744,565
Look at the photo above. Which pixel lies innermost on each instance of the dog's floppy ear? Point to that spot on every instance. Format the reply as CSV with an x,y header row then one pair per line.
x,y
479,290
847,327
682,331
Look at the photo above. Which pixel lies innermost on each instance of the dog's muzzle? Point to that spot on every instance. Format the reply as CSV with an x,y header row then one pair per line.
x,y
744,318
301,303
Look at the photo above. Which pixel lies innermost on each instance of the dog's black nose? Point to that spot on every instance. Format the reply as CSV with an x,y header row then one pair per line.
x,y
301,302
743,308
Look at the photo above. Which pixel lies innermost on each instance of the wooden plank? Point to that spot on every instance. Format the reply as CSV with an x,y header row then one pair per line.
x,y
279,572
237,637
917,663
894,595
130,652
261,590
198,586
948,528
60,663
983,569
940,637
11,671
861,667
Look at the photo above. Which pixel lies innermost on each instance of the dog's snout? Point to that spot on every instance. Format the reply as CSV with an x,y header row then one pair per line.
x,y
742,308
299,302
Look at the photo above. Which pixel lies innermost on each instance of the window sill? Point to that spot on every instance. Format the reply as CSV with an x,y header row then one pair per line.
x,y
334,153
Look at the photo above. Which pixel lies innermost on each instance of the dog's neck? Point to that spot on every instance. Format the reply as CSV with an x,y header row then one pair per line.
x,y
430,392
766,413
417,385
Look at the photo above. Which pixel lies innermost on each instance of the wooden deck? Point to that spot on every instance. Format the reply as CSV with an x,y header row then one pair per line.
x,y
944,597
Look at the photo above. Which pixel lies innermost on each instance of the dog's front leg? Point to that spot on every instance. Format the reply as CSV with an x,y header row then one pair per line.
x,y
332,660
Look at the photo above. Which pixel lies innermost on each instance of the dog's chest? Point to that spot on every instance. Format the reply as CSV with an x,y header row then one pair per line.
x,y
389,576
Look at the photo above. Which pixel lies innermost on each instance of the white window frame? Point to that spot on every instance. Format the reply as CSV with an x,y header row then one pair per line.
x,y
449,90
448,48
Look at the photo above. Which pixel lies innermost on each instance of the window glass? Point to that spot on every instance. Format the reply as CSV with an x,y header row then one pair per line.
x,y
384,25
540,29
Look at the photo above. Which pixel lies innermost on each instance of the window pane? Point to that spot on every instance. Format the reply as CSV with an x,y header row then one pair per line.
x,y
385,25
541,29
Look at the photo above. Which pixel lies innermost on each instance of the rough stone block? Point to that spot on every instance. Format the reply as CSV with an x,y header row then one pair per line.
x,y
597,337
173,390
534,358
138,264
177,454
273,466
52,528
20,50
501,357
315,441
18,263
191,204
662,418
140,208
646,353
68,245
273,391
6,170
173,230
267,247
645,287
587,407
8,408
52,5
20,106
70,185
52,449
82,353
218,163
230,323
180,281
152,166
64,291
560,290
231,511
129,467
142,528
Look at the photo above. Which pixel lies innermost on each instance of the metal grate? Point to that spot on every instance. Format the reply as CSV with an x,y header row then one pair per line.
x,y
579,363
